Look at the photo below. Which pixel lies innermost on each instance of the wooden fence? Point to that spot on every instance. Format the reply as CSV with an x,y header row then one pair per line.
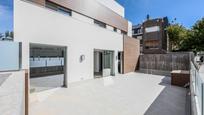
x,y
165,62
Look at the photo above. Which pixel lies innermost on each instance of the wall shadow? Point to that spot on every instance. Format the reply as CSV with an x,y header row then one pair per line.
x,y
171,101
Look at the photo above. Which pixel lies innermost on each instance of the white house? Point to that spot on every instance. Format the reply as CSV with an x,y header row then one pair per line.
x,y
82,39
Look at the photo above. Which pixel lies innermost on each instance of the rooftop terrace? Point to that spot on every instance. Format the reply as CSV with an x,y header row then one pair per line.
x,y
129,94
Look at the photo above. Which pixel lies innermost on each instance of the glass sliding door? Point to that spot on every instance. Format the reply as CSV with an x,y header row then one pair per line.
x,y
108,63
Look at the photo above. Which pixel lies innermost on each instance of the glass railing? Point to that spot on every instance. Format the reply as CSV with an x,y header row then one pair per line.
x,y
9,56
197,90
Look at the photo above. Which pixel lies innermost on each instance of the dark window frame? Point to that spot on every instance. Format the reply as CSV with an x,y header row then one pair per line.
x,y
115,29
58,8
99,23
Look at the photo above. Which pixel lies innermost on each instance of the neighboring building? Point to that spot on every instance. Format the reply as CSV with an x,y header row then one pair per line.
x,y
80,39
154,35
137,32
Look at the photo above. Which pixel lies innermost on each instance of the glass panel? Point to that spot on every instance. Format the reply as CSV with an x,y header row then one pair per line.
x,y
9,59
58,8
64,11
152,29
108,61
101,24
51,5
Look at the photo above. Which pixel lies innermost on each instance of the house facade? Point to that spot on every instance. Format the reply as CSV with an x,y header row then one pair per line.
x,y
79,39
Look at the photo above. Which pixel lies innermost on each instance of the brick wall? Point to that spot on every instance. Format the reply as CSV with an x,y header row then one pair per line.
x,y
131,54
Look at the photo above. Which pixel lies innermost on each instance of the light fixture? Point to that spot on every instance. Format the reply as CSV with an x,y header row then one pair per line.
x,y
82,58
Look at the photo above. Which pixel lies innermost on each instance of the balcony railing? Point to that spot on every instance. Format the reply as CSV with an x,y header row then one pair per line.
x,y
197,91
10,57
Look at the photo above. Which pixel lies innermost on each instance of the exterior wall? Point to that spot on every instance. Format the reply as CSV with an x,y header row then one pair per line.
x,y
86,8
109,27
131,54
12,90
114,6
159,36
34,24
82,18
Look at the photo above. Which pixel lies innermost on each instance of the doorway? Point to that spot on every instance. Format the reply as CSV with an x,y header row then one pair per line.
x,y
47,67
103,63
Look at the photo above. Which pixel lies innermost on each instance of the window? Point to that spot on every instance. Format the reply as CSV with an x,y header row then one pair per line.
x,y
152,29
115,29
151,44
58,8
139,31
101,24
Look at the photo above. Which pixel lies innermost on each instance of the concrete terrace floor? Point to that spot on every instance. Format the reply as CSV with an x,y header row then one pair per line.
x,y
129,94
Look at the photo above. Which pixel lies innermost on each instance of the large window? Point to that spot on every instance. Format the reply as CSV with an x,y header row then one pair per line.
x,y
151,44
152,29
58,8
101,24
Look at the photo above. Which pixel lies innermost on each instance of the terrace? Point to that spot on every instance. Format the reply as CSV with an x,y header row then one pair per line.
x,y
128,94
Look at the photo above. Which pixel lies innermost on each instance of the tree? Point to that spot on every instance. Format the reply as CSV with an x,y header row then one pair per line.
x,y
183,39
197,36
177,34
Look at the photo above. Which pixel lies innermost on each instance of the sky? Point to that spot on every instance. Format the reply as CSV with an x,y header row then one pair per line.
x,y
6,15
186,12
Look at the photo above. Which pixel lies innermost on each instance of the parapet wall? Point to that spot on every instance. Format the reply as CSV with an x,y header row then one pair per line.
x,y
12,93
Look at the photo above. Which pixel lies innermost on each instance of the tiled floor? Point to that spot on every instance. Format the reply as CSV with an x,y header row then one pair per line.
x,y
129,94
46,82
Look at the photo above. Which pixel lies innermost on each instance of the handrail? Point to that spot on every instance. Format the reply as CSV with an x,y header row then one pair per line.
x,y
197,91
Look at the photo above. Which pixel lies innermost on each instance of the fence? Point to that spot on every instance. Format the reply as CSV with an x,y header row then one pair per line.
x,y
164,62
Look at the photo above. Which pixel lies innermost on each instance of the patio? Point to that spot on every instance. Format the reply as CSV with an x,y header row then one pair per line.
x,y
129,94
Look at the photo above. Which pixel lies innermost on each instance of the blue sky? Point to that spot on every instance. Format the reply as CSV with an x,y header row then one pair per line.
x,y
6,15
187,12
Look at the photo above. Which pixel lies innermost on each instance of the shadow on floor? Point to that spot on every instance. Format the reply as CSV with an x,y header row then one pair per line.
x,y
44,83
171,101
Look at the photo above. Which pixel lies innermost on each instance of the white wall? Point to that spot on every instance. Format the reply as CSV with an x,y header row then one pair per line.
x,y
109,27
34,24
114,6
12,93
82,18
